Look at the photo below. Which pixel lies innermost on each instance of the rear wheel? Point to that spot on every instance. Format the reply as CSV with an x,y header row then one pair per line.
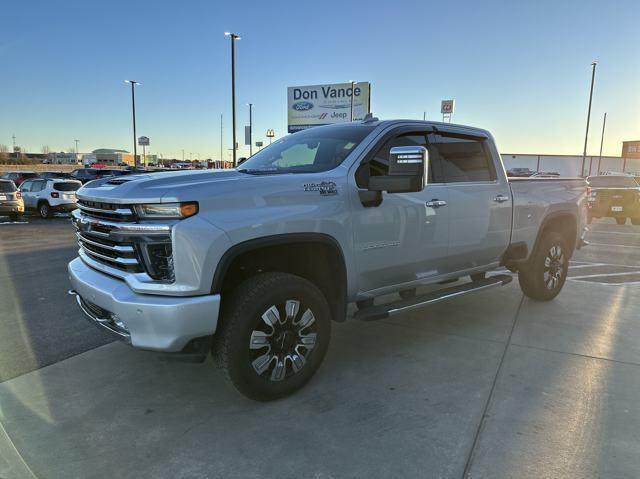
x,y
274,336
45,210
621,221
546,272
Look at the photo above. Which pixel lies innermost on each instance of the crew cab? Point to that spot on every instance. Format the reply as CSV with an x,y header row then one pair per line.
x,y
256,262
614,196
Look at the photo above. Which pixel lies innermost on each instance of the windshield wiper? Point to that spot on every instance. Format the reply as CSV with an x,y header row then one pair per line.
x,y
256,171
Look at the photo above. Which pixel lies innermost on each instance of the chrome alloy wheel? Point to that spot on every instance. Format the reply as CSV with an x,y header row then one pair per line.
x,y
283,341
554,264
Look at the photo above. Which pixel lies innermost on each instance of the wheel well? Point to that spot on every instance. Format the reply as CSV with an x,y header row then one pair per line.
x,y
317,260
566,225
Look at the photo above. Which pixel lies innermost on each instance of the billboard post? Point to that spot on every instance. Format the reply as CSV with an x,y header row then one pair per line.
x,y
316,105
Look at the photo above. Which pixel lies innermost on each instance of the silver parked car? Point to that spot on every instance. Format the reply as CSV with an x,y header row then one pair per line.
x,y
11,203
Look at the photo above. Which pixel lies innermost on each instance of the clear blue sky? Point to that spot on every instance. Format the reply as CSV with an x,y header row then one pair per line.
x,y
520,69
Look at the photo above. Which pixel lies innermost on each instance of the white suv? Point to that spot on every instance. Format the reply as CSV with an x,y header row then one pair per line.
x,y
49,196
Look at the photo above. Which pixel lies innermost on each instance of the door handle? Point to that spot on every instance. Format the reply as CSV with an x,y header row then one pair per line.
x,y
435,203
501,199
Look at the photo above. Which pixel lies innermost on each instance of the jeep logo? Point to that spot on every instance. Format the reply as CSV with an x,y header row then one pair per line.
x,y
302,106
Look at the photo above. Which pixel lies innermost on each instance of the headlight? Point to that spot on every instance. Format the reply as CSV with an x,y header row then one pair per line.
x,y
166,210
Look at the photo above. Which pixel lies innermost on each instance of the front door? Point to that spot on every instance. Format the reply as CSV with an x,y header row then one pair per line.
x,y
403,239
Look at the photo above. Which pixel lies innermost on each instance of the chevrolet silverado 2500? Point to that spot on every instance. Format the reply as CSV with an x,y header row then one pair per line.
x,y
255,263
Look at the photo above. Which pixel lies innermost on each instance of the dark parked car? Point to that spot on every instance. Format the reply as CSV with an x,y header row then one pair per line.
x,y
11,203
51,175
18,177
614,197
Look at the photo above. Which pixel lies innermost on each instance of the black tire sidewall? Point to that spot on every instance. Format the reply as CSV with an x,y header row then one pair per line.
x,y
48,212
531,278
242,315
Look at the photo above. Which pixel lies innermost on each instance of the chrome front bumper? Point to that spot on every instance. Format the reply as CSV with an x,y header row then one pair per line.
x,y
154,322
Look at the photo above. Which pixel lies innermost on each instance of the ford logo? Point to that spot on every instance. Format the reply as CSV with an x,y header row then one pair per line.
x,y
302,106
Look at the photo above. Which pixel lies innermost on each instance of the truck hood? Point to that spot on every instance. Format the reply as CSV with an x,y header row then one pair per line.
x,y
163,187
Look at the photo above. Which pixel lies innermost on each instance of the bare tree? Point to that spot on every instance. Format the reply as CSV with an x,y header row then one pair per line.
x,y
4,148
45,149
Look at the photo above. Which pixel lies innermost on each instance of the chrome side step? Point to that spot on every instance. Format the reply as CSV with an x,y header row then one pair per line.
x,y
385,310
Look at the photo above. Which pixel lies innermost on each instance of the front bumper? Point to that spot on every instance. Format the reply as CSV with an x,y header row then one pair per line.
x,y
158,323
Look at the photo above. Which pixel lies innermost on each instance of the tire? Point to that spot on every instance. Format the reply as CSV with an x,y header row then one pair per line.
x,y
290,318
635,221
546,271
44,210
621,221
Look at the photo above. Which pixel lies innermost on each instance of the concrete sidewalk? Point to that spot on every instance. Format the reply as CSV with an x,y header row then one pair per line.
x,y
488,385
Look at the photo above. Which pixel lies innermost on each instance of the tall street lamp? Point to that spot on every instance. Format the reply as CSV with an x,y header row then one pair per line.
x,y
586,134
604,124
250,105
133,108
233,37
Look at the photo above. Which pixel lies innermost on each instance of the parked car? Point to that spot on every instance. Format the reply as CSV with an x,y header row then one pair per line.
x,y
55,174
50,196
11,203
261,259
520,172
614,196
18,177
85,174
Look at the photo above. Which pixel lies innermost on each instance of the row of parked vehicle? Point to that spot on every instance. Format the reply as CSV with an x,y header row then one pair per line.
x,y
48,192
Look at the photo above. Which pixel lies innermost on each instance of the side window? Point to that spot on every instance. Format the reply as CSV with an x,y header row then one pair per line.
x,y
461,158
379,162
26,186
37,186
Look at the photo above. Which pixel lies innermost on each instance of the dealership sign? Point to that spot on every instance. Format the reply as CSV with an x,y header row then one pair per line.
x,y
316,105
447,106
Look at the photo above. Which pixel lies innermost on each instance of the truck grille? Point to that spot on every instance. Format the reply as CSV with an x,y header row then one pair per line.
x,y
130,247
107,211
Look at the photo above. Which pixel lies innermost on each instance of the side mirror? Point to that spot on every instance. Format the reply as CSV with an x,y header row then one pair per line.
x,y
407,167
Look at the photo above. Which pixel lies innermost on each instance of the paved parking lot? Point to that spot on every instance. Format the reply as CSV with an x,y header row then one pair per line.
x,y
488,385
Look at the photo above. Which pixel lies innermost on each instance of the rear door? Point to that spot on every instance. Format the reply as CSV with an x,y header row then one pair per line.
x,y
480,203
25,191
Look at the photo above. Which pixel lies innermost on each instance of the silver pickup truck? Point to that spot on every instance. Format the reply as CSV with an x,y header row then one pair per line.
x,y
255,263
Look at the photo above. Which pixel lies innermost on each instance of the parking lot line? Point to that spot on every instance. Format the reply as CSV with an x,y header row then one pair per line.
x,y
602,275
613,244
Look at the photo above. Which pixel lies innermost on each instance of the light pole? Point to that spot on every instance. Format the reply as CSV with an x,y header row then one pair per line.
x,y
586,134
233,37
133,108
250,105
352,84
604,123
76,145
270,134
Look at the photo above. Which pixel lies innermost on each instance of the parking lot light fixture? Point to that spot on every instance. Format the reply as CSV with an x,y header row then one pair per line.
x,y
133,108
233,37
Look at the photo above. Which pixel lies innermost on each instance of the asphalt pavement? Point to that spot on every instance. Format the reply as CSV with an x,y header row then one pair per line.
x,y
487,385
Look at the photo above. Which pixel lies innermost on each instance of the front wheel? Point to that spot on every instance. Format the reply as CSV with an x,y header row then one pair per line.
x,y
274,335
544,276
621,221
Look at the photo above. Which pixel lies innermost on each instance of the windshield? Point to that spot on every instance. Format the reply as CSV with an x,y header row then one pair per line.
x,y
309,151
613,181
7,187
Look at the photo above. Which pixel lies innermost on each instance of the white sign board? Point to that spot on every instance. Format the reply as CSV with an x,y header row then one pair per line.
x,y
447,106
316,105
143,141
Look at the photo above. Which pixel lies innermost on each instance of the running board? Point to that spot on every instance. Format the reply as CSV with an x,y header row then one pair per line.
x,y
385,310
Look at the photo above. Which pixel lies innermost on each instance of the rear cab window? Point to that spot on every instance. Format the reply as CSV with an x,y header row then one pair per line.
x,y
459,158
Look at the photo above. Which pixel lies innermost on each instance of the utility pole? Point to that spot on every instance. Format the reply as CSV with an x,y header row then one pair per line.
x,y
76,145
233,37
133,108
352,84
221,157
424,116
183,155
13,139
586,134
604,124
